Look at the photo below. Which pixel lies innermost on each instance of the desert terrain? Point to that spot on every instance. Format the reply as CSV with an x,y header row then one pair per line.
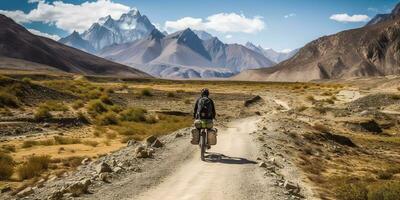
x,y
95,137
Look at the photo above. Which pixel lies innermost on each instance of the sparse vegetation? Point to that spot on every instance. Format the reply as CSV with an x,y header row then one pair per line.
x,y
78,104
107,118
6,166
42,114
96,107
133,115
170,94
34,166
146,92
8,100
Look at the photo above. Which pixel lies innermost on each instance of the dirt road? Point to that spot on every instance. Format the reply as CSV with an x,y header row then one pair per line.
x,y
230,171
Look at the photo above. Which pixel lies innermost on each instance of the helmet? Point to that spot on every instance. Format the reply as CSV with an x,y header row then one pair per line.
x,y
205,92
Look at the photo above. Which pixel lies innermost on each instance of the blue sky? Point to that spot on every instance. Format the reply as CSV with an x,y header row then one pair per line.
x,y
277,24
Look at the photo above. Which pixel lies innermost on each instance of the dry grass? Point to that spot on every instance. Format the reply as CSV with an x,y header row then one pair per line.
x,y
34,166
146,92
6,166
78,104
8,100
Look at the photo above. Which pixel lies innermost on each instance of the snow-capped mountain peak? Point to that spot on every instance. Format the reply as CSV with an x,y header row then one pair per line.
x,y
107,31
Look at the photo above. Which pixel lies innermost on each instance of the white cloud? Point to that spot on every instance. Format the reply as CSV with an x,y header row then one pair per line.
x,y
290,15
347,18
228,36
221,22
36,32
69,17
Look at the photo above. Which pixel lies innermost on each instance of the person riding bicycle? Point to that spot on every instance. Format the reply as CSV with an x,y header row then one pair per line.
x,y
204,108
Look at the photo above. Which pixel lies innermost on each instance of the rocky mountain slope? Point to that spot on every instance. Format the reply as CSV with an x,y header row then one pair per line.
x,y
372,50
271,54
385,17
19,44
107,31
184,55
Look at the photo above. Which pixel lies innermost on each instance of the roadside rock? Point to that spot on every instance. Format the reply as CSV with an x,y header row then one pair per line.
x,y
25,192
150,140
293,188
262,164
57,195
78,188
252,100
117,170
178,135
5,189
157,144
131,143
104,177
86,161
103,167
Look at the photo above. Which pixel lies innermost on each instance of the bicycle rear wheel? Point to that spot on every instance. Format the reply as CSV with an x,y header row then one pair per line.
x,y
202,145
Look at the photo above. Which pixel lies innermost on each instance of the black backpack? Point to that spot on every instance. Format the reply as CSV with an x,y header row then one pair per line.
x,y
204,108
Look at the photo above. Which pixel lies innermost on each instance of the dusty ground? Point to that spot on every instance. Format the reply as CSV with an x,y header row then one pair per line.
x,y
331,140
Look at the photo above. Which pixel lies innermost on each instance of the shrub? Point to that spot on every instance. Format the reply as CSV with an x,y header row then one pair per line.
x,y
170,94
386,191
8,100
106,99
27,80
146,92
90,143
310,98
42,113
321,128
6,166
352,191
78,104
108,118
54,106
180,91
34,166
72,161
133,114
93,94
151,119
66,140
96,107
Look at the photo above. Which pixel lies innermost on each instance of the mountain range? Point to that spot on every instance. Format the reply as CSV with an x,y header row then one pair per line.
x,y
133,40
21,50
184,55
271,54
373,50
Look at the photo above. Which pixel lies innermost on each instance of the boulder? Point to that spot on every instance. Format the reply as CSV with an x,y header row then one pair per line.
x,y
157,144
25,192
103,167
149,140
262,164
291,186
5,189
104,177
139,149
79,187
118,170
178,135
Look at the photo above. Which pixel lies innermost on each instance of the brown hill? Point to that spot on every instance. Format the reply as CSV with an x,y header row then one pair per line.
x,y
18,43
372,50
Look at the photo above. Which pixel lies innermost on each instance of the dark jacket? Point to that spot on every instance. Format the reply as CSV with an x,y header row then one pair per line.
x,y
196,106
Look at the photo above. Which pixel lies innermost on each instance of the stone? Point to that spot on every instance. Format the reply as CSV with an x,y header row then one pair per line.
x,y
86,161
104,177
103,167
262,164
139,149
151,139
131,143
272,160
5,189
291,186
79,187
25,192
178,135
118,170
57,195
157,144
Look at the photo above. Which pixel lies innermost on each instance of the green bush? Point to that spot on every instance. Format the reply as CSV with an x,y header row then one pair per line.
x,y
133,114
106,99
42,114
54,106
93,94
170,94
8,100
6,166
108,118
96,107
34,166
27,80
78,104
146,92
